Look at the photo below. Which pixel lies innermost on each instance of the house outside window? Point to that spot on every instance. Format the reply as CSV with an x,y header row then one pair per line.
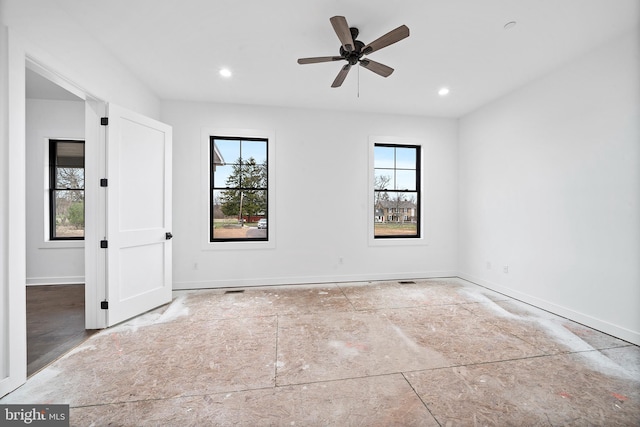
x,y
396,191
66,189
239,192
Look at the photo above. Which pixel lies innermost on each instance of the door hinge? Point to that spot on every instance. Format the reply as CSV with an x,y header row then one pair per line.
x,y
104,182
104,305
104,244
104,121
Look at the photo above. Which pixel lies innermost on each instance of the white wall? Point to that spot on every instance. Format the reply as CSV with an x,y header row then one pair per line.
x,y
322,195
49,262
550,187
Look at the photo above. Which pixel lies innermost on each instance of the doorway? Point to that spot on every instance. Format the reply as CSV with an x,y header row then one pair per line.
x,y
55,294
113,291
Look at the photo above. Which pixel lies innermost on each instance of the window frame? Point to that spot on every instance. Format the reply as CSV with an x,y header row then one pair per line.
x,y
241,188
398,240
206,189
52,145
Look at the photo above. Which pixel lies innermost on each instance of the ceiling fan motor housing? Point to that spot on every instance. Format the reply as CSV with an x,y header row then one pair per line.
x,y
354,56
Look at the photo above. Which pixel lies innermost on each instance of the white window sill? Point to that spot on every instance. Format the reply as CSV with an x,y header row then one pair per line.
x,y
419,241
61,244
230,246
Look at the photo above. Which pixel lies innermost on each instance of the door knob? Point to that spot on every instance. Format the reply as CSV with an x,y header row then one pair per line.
x,y
168,235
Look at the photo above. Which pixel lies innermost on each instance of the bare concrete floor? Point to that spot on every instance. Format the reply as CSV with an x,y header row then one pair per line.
x,y
432,353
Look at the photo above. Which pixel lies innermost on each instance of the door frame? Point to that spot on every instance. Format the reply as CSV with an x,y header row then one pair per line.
x,y
13,337
13,359
95,215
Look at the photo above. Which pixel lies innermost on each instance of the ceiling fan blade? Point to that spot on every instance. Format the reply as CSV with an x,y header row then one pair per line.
x,y
376,67
343,32
317,59
393,36
341,76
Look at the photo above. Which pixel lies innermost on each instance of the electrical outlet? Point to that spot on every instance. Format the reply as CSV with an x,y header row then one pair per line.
x,y
505,268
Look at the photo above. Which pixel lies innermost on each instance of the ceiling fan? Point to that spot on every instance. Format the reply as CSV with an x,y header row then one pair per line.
x,y
353,50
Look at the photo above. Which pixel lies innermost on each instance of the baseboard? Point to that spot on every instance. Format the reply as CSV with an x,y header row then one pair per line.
x,y
64,280
254,282
585,319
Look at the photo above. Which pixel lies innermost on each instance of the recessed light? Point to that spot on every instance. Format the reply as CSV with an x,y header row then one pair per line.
x,y
444,91
509,25
225,72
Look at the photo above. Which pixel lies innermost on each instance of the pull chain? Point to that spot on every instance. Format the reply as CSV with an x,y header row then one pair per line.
x,y
358,81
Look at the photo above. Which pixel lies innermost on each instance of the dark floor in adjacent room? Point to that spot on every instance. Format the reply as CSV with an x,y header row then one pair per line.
x,y
55,323
430,353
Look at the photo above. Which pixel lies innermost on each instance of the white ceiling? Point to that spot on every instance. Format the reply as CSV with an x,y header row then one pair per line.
x,y
177,47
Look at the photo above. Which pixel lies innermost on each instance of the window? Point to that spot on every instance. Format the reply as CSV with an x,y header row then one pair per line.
x,y
239,189
396,191
66,190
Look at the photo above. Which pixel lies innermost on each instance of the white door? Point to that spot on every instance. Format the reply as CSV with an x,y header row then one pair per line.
x,y
138,192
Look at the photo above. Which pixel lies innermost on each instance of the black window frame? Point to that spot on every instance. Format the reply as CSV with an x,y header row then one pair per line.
x,y
53,189
213,187
417,191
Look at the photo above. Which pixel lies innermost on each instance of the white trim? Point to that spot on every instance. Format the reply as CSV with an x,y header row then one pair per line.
x,y
270,136
13,361
6,380
93,136
61,244
95,215
305,280
63,280
418,241
35,65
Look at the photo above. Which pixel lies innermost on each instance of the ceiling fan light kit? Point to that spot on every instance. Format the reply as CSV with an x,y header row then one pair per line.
x,y
353,50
